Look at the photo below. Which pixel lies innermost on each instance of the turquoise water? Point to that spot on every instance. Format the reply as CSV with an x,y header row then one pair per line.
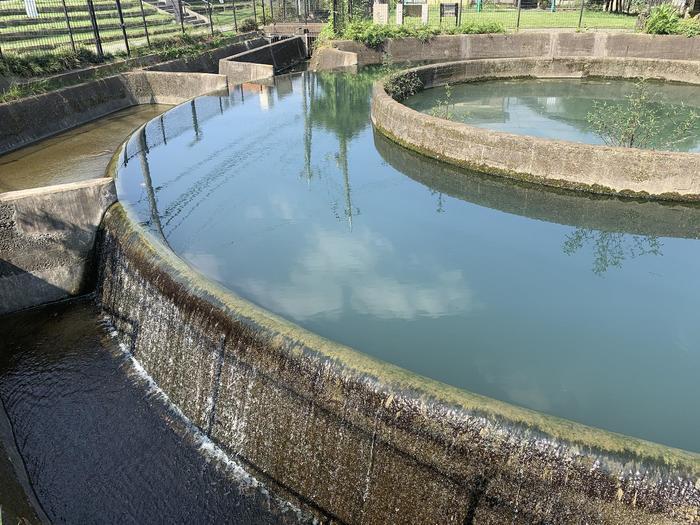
x,y
585,308
559,108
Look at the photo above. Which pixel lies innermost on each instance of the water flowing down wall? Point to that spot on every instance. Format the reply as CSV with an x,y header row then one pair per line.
x,y
361,441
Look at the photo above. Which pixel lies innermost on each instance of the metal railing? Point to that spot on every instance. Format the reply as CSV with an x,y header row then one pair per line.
x,y
113,26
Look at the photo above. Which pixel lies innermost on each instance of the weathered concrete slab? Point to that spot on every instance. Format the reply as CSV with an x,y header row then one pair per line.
x,y
47,237
599,169
208,62
526,44
34,118
361,441
264,62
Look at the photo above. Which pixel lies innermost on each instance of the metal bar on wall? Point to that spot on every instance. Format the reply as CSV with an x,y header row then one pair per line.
x,y
235,21
70,29
145,25
123,26
95,30
181,14
211,19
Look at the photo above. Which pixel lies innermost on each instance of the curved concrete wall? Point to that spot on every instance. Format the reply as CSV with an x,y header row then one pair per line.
x,y
34,118
358,440
599,169
515,45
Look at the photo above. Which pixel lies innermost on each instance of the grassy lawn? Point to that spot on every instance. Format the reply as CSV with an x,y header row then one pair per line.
x,y
535,18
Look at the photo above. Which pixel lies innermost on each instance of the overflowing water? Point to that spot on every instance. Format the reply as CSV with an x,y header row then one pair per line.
x,y
567,109
101,443
585,308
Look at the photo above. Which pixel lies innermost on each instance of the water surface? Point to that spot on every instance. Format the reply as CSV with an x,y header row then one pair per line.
x,y
100,445
584,308
559,108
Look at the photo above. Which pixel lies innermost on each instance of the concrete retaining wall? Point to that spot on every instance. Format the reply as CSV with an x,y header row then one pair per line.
x,y
264,62
208,62
361,441
599,169
34,118
537,45
47,238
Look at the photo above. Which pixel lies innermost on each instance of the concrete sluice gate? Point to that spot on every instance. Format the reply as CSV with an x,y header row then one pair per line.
x,y
353,437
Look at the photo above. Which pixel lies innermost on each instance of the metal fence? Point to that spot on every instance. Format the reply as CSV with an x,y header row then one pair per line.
x,y
112,26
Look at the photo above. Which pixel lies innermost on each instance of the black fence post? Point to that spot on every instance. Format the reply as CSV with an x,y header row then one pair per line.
x,y
262,4
95,31
255,13
235,21
272,13
123,26
70,30
211,19
181,15
145,25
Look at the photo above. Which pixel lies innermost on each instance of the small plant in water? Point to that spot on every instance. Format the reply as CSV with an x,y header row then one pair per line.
x,y
643,121
443,106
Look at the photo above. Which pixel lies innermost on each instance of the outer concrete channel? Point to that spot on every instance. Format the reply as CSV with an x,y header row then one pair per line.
x,y
598,169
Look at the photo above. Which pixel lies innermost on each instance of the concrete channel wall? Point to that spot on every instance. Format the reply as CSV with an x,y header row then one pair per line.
x,y
526,44
357,440
265,61
47,237
598,169
34,118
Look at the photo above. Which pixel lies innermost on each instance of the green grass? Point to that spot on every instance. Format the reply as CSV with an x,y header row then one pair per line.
x,y
533,18
49,32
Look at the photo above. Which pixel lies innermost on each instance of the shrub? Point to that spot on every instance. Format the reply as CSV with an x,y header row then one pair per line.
x,y
643,121
689,27
248,25
477,28
663,20
400,86
375,35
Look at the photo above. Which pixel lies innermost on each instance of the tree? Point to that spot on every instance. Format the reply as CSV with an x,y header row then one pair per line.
x,y
643,120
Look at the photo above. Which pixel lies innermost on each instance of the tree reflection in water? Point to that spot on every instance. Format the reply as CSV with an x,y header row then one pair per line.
x,y
611,249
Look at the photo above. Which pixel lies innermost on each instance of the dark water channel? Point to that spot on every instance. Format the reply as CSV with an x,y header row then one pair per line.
x,y
584,308
99,443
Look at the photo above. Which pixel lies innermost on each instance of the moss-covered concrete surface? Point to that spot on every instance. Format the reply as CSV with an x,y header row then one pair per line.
x,y
631,172
357,440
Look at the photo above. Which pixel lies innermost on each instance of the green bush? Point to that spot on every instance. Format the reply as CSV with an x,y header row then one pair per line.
x,y
375,35
689,27
663,20
248,25
35,65
400,86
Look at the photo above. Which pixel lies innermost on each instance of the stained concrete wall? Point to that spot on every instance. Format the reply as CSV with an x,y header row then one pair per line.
x,y
599,169
47,237
263,62
549,44
34,118
208,62
360,441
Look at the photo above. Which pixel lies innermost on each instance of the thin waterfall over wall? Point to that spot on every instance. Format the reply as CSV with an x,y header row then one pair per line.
x,y
355,440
